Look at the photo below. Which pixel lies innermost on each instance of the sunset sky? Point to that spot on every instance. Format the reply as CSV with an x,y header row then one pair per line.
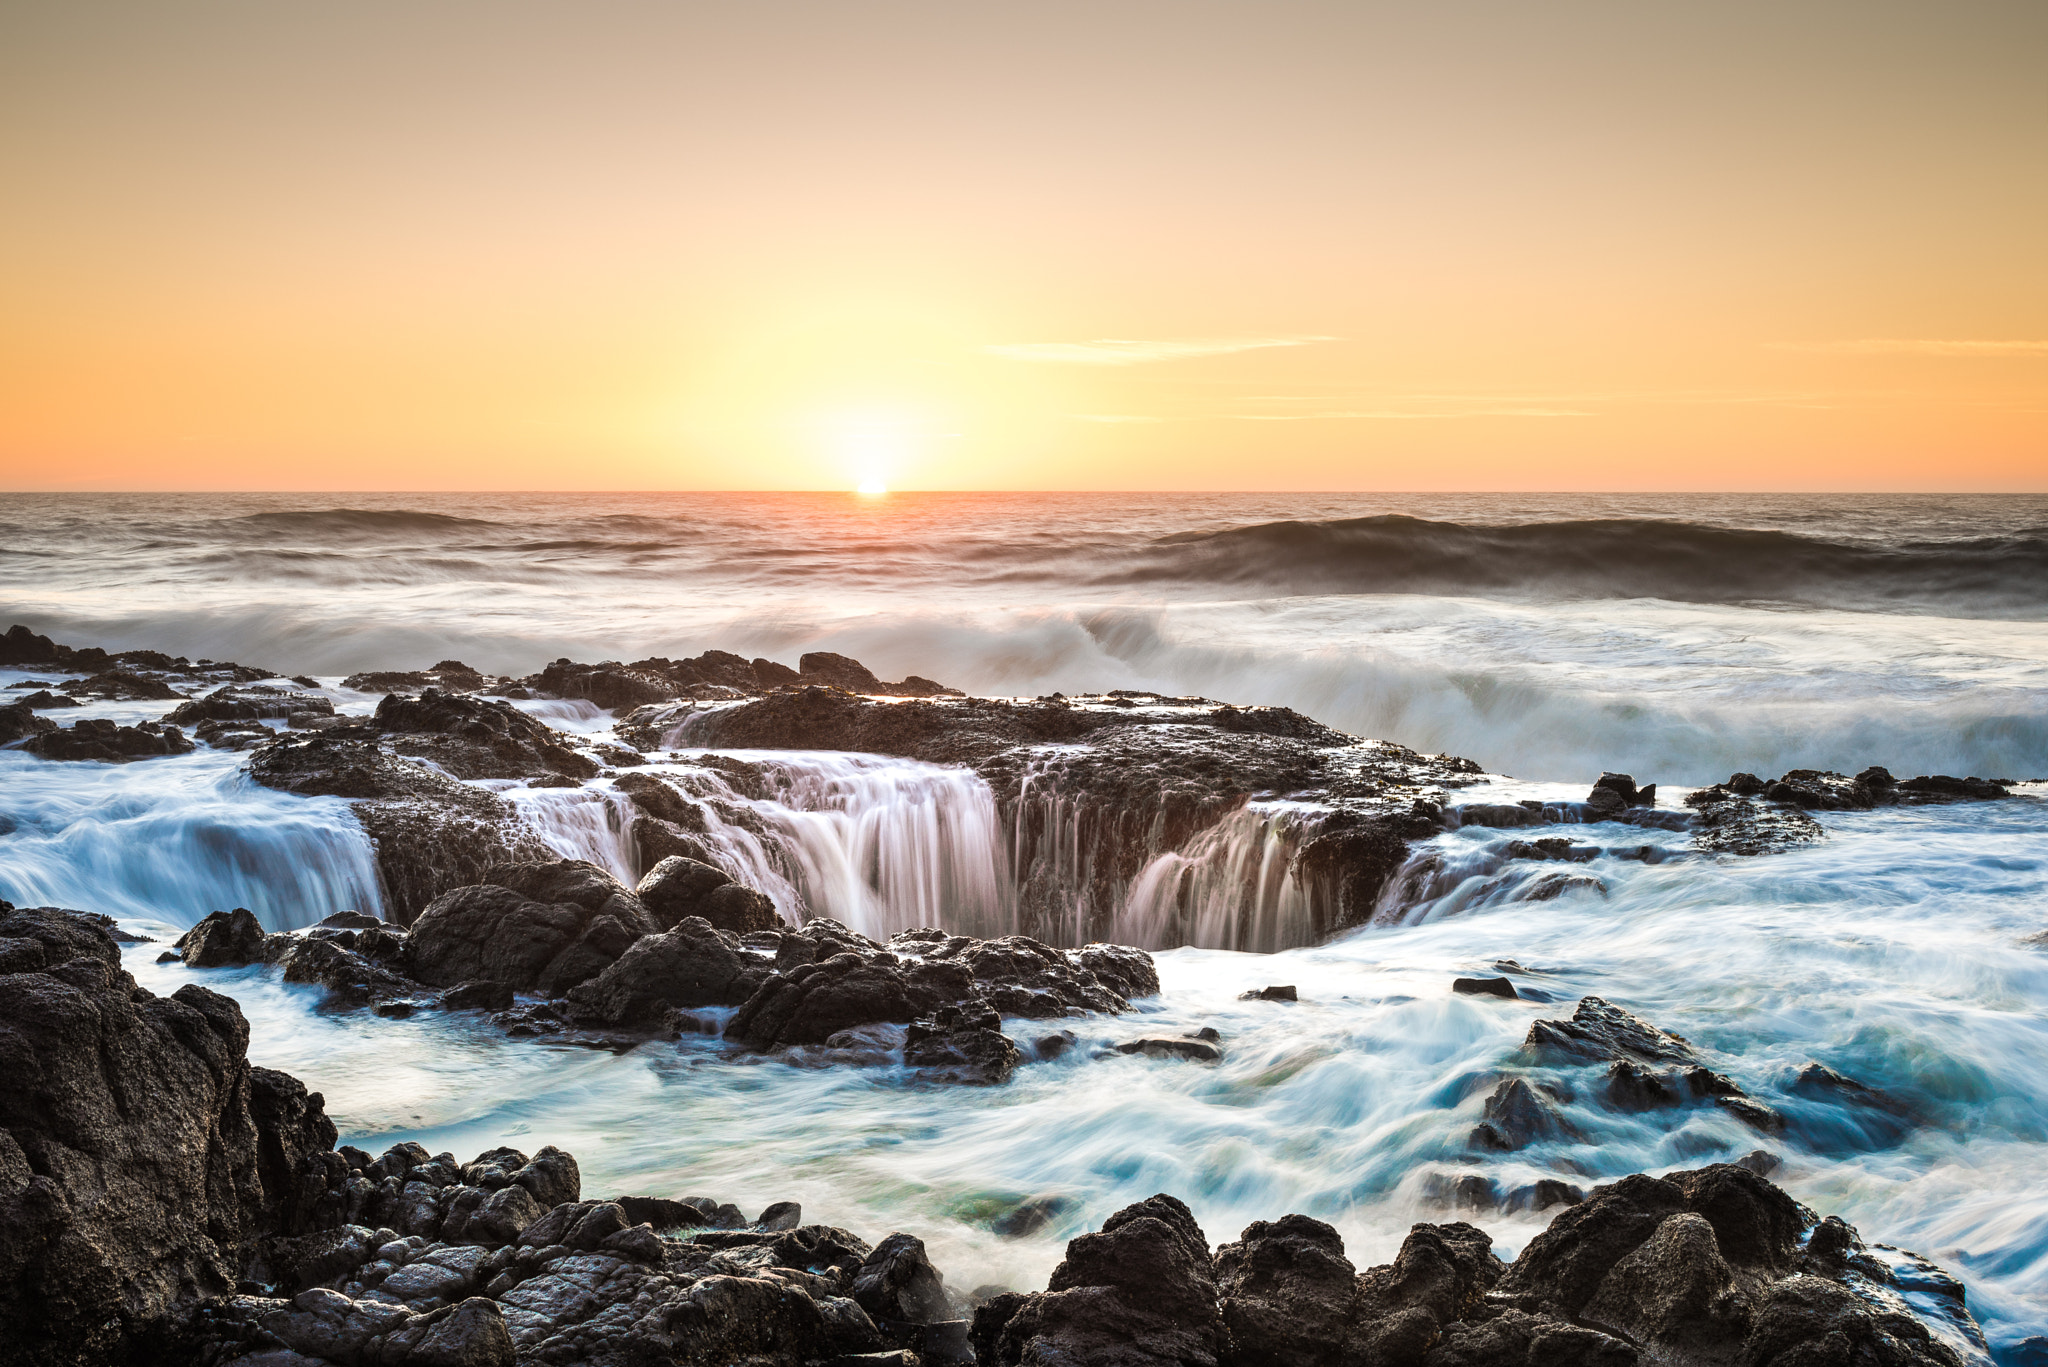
x,y
1115,245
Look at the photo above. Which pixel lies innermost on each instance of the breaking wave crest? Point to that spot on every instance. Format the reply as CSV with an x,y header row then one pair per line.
x,y
1679,561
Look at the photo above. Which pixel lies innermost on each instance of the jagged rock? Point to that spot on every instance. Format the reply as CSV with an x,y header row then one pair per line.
x,y
96,738
1485,987
243,702
1517,1115
539,926
1173,1047
43,698
812,1002
1600,1032
962,1044
1747,815
609,685
122,685
18,720
691,965
222,938
1139,1293
475,737
1288,1294
114,1214
898,1283
431,833
678,887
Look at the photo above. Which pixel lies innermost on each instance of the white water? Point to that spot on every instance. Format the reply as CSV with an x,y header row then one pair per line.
x,y
1889,952
1893,952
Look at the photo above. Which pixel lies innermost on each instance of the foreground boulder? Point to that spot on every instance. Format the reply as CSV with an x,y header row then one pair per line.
x,y
542,927
1696,1269
140,1155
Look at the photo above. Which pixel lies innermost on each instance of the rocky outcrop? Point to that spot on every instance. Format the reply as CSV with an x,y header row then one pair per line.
x,y
1093,788
680,887
1694,1269
431,833
1746,815
544,927
18,721
450,676
474,737
254,702
140,1156
96,738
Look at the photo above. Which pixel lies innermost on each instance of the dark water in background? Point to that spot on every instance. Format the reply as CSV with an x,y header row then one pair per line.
x,y
1552,635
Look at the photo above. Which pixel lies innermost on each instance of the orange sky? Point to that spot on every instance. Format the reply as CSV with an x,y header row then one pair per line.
x,y
1171,244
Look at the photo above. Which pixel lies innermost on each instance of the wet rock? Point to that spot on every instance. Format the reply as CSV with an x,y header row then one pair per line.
x,y
431,833
1485,987
781,1215
814,1001
1029,1216
1600,1032
1517,1115
18,721
679,887
1169,1047
1550,848
1542,1195
539,926
252,702
1141,1292
962,1045
222,938
1440,1274
897,1284
1288,1294
107,742
1623,786
475,737
1269,994
123,685
43,699
609,684
114,1214
692,965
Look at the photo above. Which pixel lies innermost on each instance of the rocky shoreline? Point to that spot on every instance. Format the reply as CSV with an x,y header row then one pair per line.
x,y
1090,791
218,1223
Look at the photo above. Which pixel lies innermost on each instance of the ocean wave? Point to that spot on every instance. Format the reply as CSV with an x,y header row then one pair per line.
x,y
1680,561
320,522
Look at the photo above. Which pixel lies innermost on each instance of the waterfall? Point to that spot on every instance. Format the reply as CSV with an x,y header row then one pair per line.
x,y
583,823
172,839
881,844
1232,887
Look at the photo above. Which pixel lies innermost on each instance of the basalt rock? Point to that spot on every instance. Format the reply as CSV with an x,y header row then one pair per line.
x,y
98,739
677,887
1746,815
222,938
43,698
19,721
1646,1068
114,1215
475,737
540,926
253,702
692,964
609,685
1096,787
431,832
450,676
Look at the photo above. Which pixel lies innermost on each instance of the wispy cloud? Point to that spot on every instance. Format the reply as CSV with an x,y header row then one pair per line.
x,y
1924,346
1343,414
1132,351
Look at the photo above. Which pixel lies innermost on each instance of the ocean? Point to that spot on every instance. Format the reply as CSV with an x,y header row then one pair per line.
x,y
1548,638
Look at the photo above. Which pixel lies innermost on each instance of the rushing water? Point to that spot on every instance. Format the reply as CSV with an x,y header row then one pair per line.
x,y
1784,632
